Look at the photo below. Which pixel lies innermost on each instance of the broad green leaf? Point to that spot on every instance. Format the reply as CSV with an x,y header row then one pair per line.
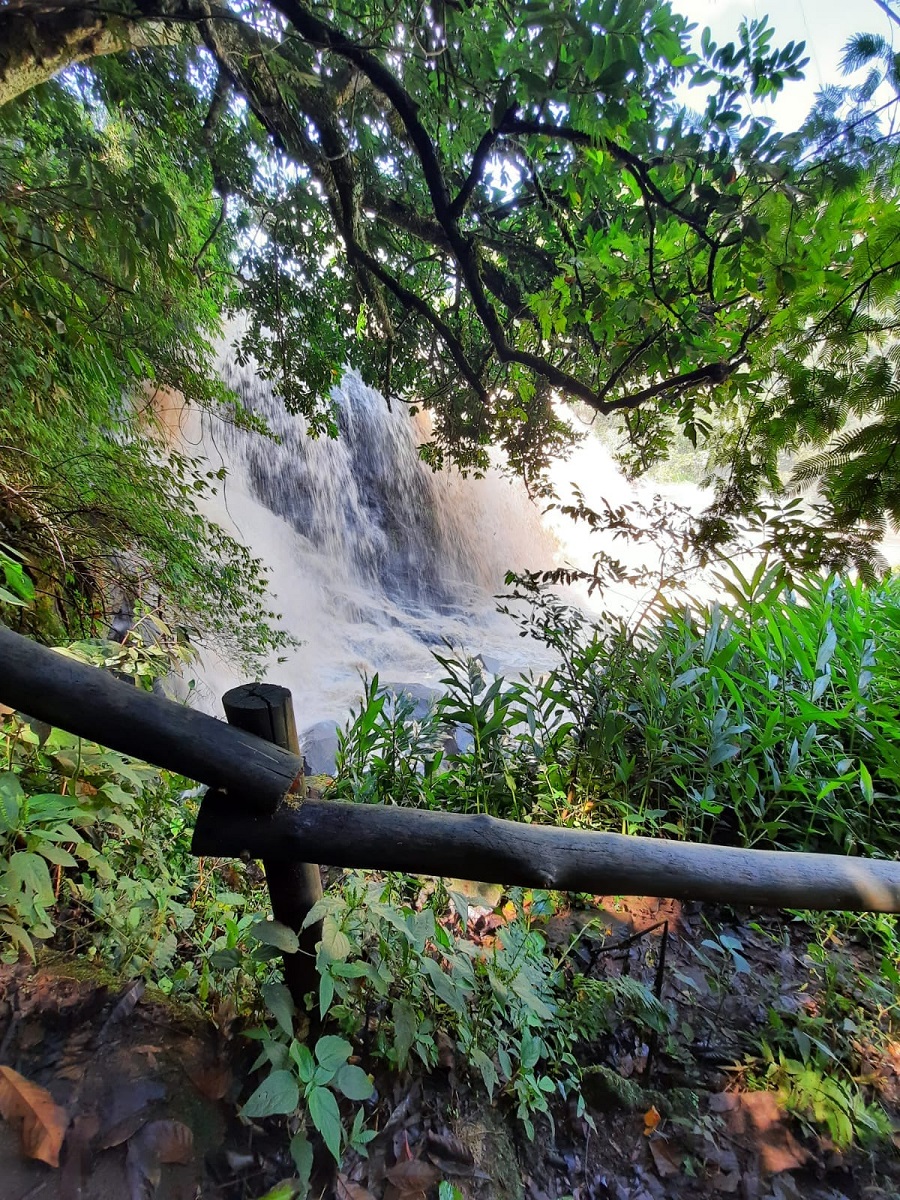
x,y
332,1052
353,1083
449,990
55,854
279,1094
324,1113
405,1026
334,940
273,933
530,1050
303,1058
31,872
302,1154
20,936
865,784
12,798
288,1189
225,960
280,1004
487,1069
326,993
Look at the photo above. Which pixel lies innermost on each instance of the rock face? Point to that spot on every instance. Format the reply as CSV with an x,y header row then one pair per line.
x,y
319,743
141,1080
319,746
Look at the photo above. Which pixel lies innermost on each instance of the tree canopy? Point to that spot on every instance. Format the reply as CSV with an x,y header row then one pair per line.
x,y
485,208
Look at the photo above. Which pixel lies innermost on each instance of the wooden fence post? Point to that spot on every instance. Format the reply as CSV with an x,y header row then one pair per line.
x,y
268,711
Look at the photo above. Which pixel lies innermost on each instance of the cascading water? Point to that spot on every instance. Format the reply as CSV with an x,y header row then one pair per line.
x,y
374,558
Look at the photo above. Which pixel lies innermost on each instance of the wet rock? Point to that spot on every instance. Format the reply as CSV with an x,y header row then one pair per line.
x,y
319,747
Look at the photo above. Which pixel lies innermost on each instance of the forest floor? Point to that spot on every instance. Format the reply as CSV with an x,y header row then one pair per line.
x,y
148,1091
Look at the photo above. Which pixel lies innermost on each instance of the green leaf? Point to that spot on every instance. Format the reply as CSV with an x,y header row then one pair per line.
x,y
31,872
487,1069
325,1115
302,1154
225,960
12,798
280,1004
273,933
19,935
354,1083
277,1095
530,1050
448,989
405,1026
326,993
336,943
306,1066
332,1052
288,1189
865,784
55,854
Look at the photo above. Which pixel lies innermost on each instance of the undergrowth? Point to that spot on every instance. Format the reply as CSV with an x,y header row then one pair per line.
x,y
766,720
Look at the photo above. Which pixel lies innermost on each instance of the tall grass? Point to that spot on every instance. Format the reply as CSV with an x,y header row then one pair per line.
x,y
768,718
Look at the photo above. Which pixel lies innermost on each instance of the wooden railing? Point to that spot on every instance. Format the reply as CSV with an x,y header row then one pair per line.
x,y
257,806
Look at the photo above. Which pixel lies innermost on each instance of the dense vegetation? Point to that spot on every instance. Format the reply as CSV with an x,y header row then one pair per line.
x,y
768,719
518,210
482,210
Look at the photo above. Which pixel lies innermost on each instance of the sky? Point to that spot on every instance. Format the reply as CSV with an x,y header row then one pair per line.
x,y
825,25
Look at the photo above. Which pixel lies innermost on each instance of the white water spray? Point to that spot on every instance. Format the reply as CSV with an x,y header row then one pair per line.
x,y
374,559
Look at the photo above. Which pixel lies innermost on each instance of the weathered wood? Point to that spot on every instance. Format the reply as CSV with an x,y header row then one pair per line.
x,y
382,838
92,704
267,710
89,702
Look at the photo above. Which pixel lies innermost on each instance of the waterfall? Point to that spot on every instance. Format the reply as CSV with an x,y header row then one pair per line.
x,y
374,558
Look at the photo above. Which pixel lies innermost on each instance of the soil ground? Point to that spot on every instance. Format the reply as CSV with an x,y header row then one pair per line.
x,y
143,1082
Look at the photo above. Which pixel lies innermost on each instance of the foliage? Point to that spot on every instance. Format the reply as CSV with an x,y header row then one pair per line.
x,y
513,208
766,718
401,983
95,850
314,1078
115,277
819,1057
94,853
381,956
19,589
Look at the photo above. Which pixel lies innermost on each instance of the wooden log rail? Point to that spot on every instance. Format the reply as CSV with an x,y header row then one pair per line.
x,y
252,810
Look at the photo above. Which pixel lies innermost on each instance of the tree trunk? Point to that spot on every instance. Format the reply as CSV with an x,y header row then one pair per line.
x,y
34,48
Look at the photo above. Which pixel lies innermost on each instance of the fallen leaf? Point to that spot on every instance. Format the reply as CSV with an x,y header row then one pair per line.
x,y
651,1120
449,1154
78,1151
728,1183
127,1004
666,1160
44,1123
446,1048
125,1108
211,1080
151,1053
157,1143
346,1189
413,1177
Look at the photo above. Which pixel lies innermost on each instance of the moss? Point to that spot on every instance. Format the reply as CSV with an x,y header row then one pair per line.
x,y
490,1140
605,1089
